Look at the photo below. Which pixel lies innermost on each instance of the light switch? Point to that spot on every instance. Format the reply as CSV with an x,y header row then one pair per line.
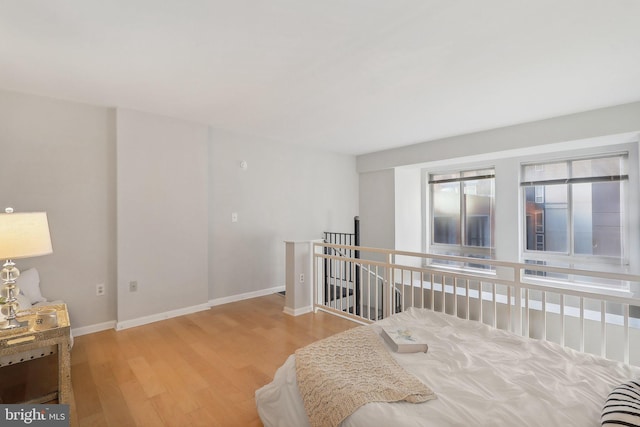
x,y
234,216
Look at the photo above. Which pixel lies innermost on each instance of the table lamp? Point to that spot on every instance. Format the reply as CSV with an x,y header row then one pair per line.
x,y
22,235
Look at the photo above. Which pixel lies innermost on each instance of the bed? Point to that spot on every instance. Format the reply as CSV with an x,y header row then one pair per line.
x,y
480,376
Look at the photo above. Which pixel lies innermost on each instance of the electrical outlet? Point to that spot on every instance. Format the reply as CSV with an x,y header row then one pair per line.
x,y
100,289
301,278
133,286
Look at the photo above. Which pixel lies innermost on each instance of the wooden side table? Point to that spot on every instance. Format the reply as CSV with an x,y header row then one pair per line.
x,y
22,340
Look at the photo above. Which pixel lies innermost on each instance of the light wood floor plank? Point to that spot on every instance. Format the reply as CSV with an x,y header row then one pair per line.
x,y
84,385
142,370
196,370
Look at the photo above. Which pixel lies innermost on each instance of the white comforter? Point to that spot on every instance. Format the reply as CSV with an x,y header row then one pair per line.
x,y
481,376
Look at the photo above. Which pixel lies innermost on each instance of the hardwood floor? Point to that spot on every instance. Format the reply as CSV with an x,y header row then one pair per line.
x,y
200,369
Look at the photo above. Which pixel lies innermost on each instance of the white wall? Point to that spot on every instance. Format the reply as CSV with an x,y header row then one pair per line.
x,y
507,213
162,210
408,213
408,209
575,127
377,209
286,193
59,157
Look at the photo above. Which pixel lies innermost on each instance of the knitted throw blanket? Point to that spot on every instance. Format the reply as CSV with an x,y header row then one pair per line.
x,y
339,374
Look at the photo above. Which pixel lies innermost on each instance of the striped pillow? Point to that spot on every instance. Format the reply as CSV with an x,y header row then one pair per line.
x,y
622,407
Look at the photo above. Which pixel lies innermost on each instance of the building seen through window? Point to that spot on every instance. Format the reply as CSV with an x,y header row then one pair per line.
x,y
575,208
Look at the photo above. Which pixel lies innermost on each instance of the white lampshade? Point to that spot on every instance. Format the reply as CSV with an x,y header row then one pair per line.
x,y
24,235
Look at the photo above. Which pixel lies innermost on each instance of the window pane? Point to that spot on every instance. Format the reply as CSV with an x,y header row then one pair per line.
x,y
547,213
460,176
444,176
446,213
556,228
597,219
544,172
477,173
479,199
605,166
555,195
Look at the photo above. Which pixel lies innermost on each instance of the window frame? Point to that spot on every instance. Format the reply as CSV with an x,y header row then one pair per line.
x,y
570,258
460,249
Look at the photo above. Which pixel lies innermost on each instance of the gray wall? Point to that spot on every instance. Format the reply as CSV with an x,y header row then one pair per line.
x,y
177,186
59,157
285,193
162,176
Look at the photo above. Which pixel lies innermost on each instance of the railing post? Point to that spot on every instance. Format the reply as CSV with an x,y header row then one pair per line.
x,y
316,288
517,294
388,289
326,263
358,289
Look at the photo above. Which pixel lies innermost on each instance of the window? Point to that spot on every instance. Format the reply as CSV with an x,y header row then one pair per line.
x,y
462,212
574,210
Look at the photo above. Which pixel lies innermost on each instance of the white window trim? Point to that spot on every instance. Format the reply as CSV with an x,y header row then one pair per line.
x,y
443,248
509,161
571,260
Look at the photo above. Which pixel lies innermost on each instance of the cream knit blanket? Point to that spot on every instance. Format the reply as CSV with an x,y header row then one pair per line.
x,y
339,374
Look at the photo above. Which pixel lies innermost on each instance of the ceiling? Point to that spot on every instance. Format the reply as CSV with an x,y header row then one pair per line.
x,y
352,76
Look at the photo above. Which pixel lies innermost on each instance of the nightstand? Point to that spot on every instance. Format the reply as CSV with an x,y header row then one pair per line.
x,y
27,342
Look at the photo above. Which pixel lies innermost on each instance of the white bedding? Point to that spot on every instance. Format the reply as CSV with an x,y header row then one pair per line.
x,y
481,376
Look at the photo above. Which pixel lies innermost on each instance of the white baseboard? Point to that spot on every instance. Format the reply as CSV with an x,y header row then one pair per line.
x,y
98,327
240,297
298,311
118,326
160,316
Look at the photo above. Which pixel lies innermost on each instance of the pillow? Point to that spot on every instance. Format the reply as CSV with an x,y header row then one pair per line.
x,y
622,407
29,284
23,302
